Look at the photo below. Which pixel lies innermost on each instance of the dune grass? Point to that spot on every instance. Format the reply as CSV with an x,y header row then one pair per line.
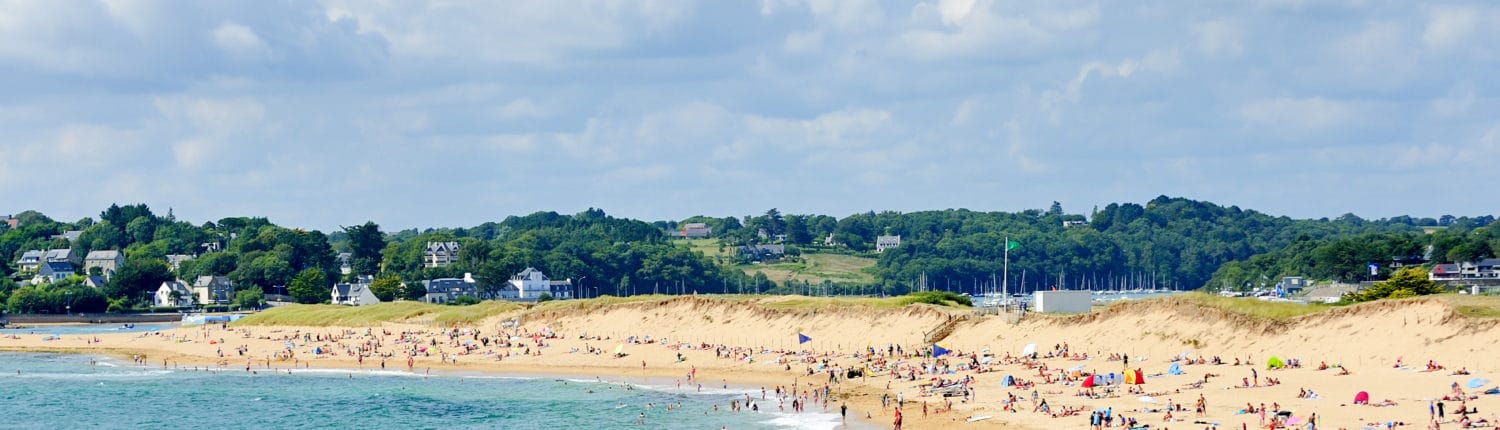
x,y
471,314
1254,308
336,315
1474,306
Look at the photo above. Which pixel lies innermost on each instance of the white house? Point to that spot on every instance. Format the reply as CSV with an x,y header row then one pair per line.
x,y
530,284
883,243
164,295
52,271
30,261
355,294
439,254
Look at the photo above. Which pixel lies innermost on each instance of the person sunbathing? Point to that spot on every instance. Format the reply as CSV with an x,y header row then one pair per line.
x,y
1343,371
1462,371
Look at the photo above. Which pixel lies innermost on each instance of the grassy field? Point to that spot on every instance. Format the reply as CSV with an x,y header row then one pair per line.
x,y
812,268
816,268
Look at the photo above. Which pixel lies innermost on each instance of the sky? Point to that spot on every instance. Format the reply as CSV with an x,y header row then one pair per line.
x,y
325,113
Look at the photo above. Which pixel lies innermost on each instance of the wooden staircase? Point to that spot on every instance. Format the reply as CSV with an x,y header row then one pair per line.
x,y
943,330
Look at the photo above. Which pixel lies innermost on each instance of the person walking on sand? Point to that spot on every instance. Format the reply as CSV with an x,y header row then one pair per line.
x,y
897,422
843,412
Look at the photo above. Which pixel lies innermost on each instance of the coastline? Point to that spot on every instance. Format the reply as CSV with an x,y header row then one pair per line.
x,y
747,345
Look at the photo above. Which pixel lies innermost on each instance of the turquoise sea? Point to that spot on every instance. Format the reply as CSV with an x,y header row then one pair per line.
x,y
64,391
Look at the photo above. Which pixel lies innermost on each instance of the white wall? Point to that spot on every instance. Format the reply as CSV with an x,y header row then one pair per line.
x,y
1062,301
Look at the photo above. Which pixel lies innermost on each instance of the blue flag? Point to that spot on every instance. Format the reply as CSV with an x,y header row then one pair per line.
x,y
802,338
938,350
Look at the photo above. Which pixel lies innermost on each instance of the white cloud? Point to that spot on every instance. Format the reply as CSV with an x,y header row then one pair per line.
x,y
961,28
848,15
1450,25
1286,114
1457,102
192,102
522,108
1219,37
213,116
802,43
528,32
240,42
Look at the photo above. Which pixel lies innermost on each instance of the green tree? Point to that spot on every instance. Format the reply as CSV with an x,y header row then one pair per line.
x,y
309,286
249,298
386,288
365,245
138,277
796,230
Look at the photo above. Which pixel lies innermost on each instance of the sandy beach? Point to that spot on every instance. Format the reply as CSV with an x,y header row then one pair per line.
x,y
755,344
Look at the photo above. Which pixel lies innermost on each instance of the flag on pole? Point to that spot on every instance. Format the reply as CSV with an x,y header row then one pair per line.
x,y
802,338
938,350
1011,244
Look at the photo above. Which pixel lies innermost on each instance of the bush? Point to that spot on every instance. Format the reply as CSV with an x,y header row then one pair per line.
x,y
545,297
1408,282
940,298
466,300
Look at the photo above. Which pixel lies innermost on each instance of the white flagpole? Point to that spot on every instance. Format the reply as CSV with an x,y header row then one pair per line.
x,y
1005,276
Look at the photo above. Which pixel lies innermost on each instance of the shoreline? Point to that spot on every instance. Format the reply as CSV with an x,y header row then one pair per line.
x,y
746,345
655,379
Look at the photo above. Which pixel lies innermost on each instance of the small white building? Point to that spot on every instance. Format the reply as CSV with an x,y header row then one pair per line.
x,y
530,284
1066,302
883,243
165,292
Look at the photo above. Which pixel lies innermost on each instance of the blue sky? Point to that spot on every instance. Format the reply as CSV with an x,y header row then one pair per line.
x,y
327,113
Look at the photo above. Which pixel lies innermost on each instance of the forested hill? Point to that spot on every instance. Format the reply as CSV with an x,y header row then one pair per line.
x,y
1167,242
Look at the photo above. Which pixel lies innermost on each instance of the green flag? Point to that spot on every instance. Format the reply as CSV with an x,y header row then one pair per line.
x,y
1011,244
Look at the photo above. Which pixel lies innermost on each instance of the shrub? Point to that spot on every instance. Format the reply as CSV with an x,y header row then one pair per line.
x,y
466,300
940,298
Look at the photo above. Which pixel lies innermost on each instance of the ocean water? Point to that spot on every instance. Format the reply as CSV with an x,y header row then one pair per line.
x,y
62,329
65,391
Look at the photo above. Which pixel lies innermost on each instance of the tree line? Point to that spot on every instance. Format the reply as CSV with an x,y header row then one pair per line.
x,y
1166,242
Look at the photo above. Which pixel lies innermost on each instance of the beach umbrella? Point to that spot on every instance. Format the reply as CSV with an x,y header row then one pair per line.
x,y
1088,382
1362,398
619,348
1029,349
1174,369
1075,368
